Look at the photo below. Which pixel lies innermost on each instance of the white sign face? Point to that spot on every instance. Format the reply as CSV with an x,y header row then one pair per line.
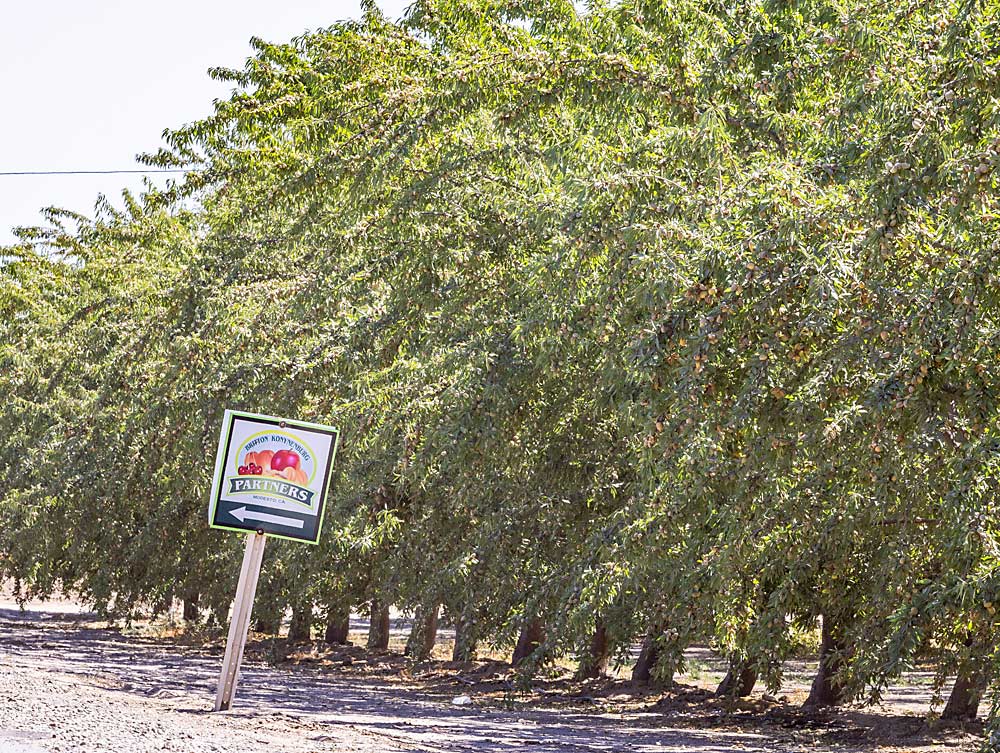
x,y
272,475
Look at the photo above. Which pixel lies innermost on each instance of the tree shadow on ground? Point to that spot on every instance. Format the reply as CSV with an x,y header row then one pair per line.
x,y
419,714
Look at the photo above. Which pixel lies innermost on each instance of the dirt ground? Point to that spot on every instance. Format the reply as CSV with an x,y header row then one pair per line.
x,y
69,684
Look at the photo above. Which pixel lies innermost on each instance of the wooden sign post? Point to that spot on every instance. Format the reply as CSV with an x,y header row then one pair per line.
x,y
272,477
240,623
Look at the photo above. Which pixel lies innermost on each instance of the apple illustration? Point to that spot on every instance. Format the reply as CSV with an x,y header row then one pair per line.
x,y
285,459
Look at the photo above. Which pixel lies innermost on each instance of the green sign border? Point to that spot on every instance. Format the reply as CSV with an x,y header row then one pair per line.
x,y
225,436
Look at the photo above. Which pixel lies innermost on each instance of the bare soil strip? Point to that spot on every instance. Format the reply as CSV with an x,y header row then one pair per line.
x,y
66,685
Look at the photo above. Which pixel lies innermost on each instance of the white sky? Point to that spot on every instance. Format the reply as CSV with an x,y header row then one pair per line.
x,y
89,84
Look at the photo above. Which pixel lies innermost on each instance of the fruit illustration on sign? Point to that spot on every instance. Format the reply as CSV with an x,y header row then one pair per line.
x,y
283,459
281,464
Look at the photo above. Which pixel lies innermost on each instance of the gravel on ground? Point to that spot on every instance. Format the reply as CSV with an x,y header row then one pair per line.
x,y
67,685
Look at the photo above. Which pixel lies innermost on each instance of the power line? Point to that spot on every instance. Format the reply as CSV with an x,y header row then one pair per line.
x,y
92,172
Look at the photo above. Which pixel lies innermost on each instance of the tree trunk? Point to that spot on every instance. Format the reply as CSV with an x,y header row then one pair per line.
x,y
963,703
532,636
378,628
423,635
739,679
465,639
267,620
300,629
644,672
191,608
595,662
826,691
338,625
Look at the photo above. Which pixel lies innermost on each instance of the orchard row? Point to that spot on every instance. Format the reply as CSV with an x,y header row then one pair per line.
x,y
663,322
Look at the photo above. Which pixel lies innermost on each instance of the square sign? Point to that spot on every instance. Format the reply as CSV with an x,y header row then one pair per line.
x,y
272,475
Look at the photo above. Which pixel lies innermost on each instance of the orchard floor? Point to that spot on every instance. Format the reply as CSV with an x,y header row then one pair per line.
x,y
69,684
